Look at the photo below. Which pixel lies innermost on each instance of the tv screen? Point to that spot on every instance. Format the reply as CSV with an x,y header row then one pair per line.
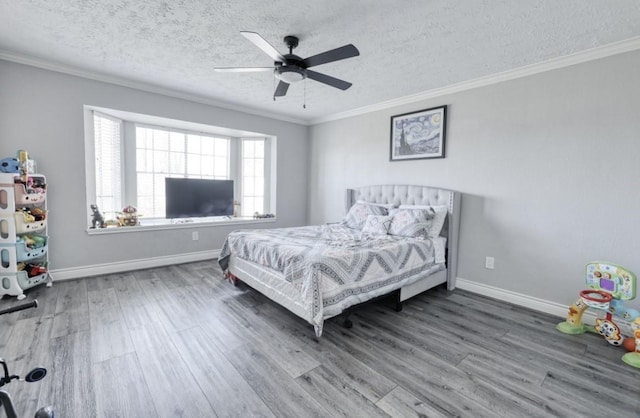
x,y
194,198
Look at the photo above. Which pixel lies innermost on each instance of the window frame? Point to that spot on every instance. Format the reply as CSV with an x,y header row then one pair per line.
x,y
265,170
131,170
129,121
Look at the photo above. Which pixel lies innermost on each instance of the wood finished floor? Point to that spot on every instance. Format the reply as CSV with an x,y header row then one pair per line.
x,y
180,342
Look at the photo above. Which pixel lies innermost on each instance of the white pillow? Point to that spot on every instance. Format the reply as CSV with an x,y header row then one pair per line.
x,y
376,225
439,214
410,223
357,215
387,206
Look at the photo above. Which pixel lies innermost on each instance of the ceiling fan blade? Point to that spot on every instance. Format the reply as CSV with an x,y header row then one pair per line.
x,y
337,54
241,69
281,90
261,43
327,79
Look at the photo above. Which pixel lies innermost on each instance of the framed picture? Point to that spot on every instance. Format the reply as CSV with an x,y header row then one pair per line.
x,y
418,135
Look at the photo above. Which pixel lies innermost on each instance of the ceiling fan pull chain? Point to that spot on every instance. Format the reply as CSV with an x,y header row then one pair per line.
x,y
304,98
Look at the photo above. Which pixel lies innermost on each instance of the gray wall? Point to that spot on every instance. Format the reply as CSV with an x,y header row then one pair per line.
x,y
42,112
548,166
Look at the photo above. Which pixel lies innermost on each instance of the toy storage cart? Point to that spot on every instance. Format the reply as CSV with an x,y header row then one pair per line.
x,y
23,244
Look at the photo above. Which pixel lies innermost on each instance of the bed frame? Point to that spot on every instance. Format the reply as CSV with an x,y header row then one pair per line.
x,y
284,294
419,195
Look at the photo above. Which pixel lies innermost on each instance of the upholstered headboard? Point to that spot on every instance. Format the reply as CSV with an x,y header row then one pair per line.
x,y
418,195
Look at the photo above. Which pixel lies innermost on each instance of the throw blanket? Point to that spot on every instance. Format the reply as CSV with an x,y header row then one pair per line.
x,y
332,266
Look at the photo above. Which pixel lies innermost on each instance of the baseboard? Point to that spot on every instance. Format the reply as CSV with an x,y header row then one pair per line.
x,y
122,266
515,298
520,299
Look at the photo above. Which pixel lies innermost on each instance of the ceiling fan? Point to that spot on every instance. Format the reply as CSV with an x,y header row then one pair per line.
x,y
290,68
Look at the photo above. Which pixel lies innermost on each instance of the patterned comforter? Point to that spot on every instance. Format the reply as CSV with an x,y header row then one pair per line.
x,y
332,266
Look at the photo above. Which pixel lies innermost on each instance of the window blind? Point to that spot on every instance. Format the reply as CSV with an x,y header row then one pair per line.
x,y
108,163
253,176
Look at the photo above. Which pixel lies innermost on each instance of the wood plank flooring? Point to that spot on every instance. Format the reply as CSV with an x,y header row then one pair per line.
x,y
181,342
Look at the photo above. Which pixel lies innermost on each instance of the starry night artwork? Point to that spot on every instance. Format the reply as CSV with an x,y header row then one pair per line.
x,y
419,134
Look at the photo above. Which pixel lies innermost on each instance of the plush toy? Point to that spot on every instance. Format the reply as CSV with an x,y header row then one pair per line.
x,y
28,242
38,213
34,187
23,158
34,241
128,216
26,215
35,270
10,165
32,269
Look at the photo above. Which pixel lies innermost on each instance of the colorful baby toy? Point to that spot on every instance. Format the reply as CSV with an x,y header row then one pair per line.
x,y
609,285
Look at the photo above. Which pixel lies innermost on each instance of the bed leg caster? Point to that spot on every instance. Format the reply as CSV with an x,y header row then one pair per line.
x,y
398,301
346,322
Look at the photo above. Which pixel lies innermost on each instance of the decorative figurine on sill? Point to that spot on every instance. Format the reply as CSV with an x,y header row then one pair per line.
x,y
111,223
98,219
257,215
128,217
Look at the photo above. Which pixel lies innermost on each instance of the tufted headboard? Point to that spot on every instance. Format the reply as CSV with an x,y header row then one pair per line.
x,y
418,195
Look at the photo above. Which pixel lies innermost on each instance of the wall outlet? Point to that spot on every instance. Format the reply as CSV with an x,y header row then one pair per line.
x,y
194,235
489,262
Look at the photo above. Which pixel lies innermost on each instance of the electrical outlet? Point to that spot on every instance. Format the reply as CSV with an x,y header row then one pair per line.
x,y
489,262
194,235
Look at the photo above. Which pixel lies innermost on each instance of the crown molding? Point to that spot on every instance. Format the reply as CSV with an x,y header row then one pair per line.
x,y
616,48
138,85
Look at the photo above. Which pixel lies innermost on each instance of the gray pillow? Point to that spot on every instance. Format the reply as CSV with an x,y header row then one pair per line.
x,y
376,225
359,212
413,223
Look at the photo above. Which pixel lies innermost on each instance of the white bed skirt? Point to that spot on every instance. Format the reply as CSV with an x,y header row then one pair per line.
x,y
271,283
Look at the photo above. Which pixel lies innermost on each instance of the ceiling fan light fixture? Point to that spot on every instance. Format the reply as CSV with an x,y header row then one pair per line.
x,y
290,68
290,73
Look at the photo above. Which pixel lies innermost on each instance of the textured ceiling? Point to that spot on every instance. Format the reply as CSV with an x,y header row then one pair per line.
x,y
406,46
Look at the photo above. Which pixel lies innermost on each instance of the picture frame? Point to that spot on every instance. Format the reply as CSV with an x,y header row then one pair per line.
x,y
419,135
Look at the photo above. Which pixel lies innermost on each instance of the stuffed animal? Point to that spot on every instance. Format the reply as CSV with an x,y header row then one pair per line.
x,y
26,215
33,241
10,165
34,187
38,213
128,216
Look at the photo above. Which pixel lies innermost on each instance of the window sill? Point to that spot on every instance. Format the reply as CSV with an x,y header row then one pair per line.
x,y
162,224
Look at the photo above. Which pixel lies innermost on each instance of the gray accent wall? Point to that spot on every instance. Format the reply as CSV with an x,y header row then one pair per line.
x,y
549,168
41,111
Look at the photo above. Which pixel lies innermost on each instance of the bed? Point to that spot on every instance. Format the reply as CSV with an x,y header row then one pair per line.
x,y
320,271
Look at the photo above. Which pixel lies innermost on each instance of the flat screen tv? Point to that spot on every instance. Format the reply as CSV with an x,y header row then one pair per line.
x,y
195,198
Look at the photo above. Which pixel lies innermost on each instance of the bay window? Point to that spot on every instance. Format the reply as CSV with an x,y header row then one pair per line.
x,y
133,154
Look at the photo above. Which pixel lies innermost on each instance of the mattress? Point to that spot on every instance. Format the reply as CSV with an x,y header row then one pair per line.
x,y
318,271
